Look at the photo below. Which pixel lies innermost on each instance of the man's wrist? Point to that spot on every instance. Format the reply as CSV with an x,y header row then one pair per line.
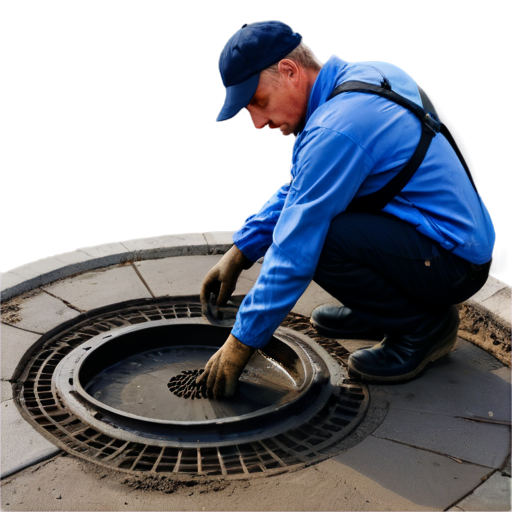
x,y
241,347
242,260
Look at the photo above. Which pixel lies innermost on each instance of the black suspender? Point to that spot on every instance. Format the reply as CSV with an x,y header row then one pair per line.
x,y
376,201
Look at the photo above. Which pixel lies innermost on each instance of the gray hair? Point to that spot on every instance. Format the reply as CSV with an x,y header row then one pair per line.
x,y
301,55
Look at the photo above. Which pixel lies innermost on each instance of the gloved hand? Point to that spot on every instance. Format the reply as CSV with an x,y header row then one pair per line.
x,y
222,278
224,368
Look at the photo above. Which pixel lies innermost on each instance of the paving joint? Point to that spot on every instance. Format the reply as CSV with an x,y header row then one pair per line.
x,y
21,328
441,454
127,250
477,419
142,279
470,492
36,466
65,302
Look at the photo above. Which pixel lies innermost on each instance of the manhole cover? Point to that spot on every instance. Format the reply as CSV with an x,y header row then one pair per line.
x,y
117,388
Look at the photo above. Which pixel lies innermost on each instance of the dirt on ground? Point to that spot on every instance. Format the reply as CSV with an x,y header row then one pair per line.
x,y
159,483
482,328
168,486
11,309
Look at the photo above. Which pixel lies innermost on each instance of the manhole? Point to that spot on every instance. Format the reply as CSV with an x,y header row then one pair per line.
x,y
112,389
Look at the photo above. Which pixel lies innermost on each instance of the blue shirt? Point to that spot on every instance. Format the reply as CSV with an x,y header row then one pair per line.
x,y
351,146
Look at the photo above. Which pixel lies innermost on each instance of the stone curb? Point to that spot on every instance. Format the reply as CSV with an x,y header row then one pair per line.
x,y
42,272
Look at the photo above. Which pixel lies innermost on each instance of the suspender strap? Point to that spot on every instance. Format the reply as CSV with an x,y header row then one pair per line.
x,y
384,91
376,201
429,107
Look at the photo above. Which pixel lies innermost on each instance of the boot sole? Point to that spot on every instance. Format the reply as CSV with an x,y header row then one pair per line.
x,y
442,348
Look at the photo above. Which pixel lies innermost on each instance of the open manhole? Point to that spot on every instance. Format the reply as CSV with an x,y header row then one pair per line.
x,y
118,389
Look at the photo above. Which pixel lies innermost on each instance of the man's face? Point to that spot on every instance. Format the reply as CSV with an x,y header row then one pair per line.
x,y
279,103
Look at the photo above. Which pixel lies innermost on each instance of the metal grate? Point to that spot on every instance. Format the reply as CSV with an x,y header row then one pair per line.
x,y
184,385
308,443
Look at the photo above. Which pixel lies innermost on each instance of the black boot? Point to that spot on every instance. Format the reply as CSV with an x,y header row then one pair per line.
x,y
399,358
340,322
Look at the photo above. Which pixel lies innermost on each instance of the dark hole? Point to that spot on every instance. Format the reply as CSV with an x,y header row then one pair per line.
x,y
184,385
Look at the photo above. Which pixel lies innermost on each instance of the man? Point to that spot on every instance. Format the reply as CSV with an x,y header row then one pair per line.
x,y
398,261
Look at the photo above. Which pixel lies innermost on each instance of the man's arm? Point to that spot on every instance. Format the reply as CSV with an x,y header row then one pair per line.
x,y
331,168
251,242
255,236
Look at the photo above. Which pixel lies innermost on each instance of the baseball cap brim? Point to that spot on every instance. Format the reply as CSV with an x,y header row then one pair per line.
x,y
238,96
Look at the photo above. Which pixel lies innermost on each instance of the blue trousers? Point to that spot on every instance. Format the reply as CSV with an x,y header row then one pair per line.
x,y
392,276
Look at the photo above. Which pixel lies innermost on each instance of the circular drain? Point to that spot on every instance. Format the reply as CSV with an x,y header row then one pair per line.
x,y
185,385
80,389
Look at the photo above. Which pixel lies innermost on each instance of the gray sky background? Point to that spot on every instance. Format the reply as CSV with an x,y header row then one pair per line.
x,y
108,108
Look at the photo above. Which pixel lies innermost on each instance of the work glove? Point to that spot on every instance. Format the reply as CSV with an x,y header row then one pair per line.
x,y
222,278
224,368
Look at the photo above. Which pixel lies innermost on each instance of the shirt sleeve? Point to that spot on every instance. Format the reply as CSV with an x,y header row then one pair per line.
x,y
255,236
329,168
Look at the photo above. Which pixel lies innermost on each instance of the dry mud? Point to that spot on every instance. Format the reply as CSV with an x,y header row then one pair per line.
x,y
11,310
169,486
482,328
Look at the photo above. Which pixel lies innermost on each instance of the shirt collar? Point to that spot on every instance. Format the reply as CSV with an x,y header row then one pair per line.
x,y
325,82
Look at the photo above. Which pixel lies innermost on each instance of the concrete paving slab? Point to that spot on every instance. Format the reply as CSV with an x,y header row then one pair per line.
x,y
6,390
21,445
179,275
65,483
493,494
100,287
313,296
219,242
500,304
41,312
183,275
491,286
167,245
460,384
504,373
15,342
424,478
243,285
443,434
253,273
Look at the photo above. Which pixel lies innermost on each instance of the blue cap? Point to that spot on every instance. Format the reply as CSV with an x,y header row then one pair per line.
x,y
252,49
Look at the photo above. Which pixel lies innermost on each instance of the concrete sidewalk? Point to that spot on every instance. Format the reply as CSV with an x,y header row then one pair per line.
x,y
443,442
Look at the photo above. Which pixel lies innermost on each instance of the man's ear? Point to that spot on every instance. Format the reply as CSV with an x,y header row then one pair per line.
x,y
289,70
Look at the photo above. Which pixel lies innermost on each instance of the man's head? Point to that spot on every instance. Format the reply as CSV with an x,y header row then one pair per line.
x,y
267,69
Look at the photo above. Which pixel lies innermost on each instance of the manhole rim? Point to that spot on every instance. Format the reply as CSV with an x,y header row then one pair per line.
x,y
70,366
84,450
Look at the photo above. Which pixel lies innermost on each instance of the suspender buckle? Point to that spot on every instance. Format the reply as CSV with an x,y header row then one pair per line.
x,y
432,123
